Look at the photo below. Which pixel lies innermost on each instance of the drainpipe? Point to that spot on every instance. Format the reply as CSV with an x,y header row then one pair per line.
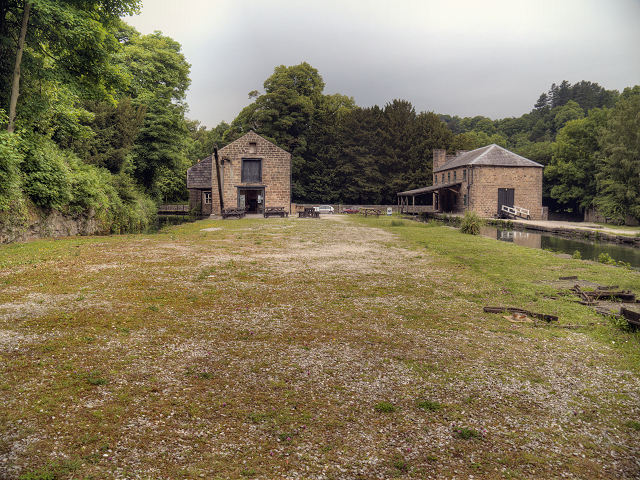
x,y
215,154
469,183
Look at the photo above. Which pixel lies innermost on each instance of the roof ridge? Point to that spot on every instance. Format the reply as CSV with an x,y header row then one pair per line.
x,y
483,153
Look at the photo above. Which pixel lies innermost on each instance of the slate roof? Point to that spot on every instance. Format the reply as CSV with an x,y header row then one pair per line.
x,y
199,175
434,188
493,155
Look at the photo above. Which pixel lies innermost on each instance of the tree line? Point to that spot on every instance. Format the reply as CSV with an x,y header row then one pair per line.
x,y
585,136
98,122
94,113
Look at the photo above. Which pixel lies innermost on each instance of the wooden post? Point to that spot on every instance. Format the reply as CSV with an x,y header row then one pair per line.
x,y
215,154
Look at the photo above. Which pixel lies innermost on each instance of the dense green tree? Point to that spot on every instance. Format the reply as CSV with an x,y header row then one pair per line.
x,y
431,134
115,130
11,157
361,147
573,167
160,147
160,78
542,105
284,114
201,141
453,123
66,42
591,95
399,137
586,94
320,180
569,111
462,141
619,175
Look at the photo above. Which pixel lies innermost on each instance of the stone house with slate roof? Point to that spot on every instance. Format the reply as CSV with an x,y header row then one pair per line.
x,y
483,180
255,174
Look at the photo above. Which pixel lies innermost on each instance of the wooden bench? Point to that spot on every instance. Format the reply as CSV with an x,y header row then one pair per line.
x,y
370,211
275,211
309,212
233,212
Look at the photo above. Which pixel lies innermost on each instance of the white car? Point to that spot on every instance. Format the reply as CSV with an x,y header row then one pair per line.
x,y
324,209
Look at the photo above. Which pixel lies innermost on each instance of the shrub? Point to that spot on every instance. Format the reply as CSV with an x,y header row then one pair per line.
x,y
606,259
10,158
47,177
576,255
471,223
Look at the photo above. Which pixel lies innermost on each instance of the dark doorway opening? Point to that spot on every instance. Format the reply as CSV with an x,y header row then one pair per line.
x,y
251,199
505,197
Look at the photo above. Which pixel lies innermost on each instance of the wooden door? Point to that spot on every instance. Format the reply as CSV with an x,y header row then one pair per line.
x,y
505,197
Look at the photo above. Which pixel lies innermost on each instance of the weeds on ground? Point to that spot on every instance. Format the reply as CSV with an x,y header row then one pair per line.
x,y
385,407
471,223
429,406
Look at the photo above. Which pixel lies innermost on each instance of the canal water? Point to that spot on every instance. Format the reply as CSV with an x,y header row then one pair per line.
x,y
588,249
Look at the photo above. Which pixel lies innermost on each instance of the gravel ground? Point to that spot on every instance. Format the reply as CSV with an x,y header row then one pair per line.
x,y
299,348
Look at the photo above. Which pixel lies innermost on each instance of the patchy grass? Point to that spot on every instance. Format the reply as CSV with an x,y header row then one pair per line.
x,y
263,350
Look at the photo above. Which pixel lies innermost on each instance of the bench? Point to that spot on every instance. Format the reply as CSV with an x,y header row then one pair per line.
x,y
233,212
309,212
370,211
275,211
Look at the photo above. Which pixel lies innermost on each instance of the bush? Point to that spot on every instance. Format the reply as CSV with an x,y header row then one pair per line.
x,y
10,158
47,177
606,259
576,255
58,179
471,223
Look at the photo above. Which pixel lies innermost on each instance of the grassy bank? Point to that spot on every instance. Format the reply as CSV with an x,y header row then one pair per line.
x,y
301,348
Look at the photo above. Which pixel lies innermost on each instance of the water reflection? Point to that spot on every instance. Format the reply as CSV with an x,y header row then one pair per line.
x,y
588,249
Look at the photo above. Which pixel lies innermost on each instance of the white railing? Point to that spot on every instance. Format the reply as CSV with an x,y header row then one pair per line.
x,y
516,211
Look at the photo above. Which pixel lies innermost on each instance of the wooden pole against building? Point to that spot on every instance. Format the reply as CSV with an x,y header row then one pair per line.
x,y
215,154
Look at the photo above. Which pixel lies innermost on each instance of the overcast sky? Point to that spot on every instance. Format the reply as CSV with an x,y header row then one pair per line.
x,y
457,57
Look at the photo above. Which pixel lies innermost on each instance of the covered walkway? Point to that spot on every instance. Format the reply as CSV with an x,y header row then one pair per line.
x,y
441,201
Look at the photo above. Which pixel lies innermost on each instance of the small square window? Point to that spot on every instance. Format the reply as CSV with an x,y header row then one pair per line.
x,y
253,148
465,200
207,198
464,175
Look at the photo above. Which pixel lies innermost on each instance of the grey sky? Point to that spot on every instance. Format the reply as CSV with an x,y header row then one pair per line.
x,y
457,57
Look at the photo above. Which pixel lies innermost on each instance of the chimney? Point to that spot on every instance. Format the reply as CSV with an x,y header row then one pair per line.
x,y
439,158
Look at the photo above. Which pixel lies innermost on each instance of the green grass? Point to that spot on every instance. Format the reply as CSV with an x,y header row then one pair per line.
x,y
264,348
429,406
385,407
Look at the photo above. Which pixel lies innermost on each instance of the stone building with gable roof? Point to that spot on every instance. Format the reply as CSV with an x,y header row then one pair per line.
x,y
483,180
254,172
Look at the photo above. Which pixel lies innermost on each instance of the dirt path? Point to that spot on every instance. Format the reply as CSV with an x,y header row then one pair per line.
x,y
293,348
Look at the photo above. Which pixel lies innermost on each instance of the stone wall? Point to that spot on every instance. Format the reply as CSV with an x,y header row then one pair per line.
x,y
526,182
593,215
276,172
51,224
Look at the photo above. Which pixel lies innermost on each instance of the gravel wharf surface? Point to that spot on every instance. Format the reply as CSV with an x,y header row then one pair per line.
x,y
295,349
